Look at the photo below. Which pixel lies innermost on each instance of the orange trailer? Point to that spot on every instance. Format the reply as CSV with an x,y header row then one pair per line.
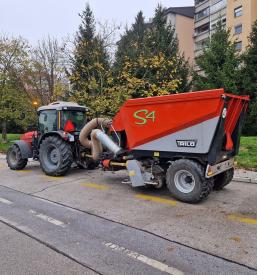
x,y
190,139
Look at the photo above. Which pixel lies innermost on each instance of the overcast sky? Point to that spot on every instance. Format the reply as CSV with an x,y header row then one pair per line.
x,y
35,19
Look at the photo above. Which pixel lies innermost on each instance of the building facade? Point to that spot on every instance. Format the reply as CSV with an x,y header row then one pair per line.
x,y
237,15
241,14
182,18
207,15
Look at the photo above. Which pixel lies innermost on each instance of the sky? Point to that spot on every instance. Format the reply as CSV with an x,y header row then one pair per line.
x,y
36,19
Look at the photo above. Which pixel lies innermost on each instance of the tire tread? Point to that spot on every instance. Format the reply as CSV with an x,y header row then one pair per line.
x,y
206,184
66,155
21,163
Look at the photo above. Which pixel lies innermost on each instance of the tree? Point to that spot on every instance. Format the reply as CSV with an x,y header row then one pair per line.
x,y
131,44
146,40
162,38
249,81
148,76
13,98
47,78
90,60
219,63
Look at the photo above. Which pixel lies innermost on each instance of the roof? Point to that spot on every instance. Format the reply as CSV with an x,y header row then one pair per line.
x,y
185,11
60,105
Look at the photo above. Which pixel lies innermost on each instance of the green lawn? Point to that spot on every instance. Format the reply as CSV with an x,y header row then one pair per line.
x,y
247,157
5,146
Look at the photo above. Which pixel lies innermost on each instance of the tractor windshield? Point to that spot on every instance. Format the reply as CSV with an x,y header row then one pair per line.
x,y
73,121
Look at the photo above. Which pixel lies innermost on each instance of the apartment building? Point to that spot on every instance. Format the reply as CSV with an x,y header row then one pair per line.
x,y
238,15
241,14
182,18
207,14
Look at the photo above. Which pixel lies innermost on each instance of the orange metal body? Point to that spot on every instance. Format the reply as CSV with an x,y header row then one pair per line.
x,y
146,119
236,105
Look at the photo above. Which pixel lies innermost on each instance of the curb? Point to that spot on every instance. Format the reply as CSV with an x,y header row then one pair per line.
x,y
246,180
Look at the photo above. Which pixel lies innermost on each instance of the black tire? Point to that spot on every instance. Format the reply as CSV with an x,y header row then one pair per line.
x,y
14,158
186,181
55,156
223,179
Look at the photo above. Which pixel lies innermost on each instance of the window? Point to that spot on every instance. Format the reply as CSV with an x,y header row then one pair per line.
x,y
198,2
202,13
202,29
202,44
76,118
238,29
214,24
238,11
218,6
47,121
238,46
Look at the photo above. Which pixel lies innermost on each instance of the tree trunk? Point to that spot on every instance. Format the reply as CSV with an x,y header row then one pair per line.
x,y
4,131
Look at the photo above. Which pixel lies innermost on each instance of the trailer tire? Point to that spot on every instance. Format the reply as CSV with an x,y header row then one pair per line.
x,y
186,181
223,179
55,156
14,158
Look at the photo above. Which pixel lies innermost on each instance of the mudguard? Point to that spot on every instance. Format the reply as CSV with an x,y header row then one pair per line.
x,y
26,151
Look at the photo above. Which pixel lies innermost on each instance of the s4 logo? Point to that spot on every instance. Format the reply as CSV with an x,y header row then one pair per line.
x,y
143,116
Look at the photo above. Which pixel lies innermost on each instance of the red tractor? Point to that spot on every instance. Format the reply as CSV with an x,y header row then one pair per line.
x,y
186,141
56,141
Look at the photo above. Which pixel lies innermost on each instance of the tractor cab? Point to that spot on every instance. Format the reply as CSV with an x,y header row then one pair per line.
x,y
61,116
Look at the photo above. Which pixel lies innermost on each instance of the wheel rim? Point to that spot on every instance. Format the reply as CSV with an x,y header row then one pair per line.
x,y
184,181
52,157
13,157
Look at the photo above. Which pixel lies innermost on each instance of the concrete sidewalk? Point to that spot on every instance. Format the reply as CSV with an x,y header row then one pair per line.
x,y
241,175
245,176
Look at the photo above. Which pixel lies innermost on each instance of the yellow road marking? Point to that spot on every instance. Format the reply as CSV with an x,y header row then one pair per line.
x,y
2,166
51,177
95,186
242,219
156,199
23,171
236,239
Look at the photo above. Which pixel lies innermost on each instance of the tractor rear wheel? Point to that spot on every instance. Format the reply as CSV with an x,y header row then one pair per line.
x,y
186,181
55,156
14,158
223,179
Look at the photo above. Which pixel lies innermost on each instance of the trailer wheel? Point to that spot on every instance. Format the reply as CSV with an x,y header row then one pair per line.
x,y
186,181
14,158
223,179
55,156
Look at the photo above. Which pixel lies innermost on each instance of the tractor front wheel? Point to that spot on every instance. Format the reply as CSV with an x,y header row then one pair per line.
x,y
14,158
55,156
186,181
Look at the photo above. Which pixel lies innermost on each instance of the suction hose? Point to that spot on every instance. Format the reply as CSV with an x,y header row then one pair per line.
x,y
98,137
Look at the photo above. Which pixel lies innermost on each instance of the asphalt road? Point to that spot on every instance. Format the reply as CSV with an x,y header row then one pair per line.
x,y
89,222
21,254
